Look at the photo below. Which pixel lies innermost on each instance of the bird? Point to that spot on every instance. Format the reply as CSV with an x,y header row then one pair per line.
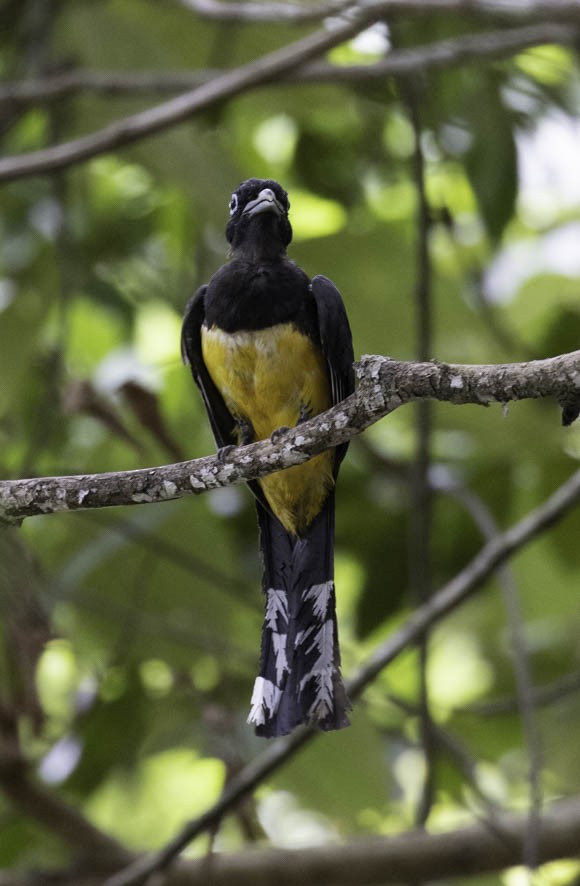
x,y
269,348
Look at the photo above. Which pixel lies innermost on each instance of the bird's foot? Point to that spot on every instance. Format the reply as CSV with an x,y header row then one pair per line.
x,y
275,435
224,451
246,431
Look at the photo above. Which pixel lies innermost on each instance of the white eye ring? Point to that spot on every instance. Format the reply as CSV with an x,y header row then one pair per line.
x,y
233,203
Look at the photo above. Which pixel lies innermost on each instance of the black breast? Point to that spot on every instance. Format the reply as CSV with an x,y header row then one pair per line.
x,y
247,296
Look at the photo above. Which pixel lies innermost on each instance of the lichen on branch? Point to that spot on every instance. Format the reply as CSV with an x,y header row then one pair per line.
x,y
383,386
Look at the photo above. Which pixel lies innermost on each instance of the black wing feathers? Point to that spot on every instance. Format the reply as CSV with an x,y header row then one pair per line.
x,y
335,337
221,420
336,342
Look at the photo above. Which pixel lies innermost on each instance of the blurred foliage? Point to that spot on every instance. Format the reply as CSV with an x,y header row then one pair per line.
x,y
145,679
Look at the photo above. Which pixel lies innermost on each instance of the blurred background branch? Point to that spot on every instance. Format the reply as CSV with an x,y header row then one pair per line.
x,y
468,49
406,857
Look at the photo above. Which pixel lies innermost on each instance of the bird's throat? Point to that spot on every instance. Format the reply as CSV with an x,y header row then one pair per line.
x,y
259,241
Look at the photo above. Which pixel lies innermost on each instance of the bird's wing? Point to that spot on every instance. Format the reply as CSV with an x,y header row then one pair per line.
x,y
335,337
221,420
336,341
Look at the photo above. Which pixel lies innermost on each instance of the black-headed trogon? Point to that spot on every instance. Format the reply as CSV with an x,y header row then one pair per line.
x,y
269,348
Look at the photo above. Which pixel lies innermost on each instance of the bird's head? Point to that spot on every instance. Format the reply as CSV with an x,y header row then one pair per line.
x,y
258,224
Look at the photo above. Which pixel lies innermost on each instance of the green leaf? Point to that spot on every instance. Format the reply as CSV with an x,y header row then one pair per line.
x,y
491,162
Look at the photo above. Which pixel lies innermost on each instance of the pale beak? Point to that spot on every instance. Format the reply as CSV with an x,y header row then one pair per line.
x,y
265,202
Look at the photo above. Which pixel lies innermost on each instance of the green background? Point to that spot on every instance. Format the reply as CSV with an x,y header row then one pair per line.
x,y
148,618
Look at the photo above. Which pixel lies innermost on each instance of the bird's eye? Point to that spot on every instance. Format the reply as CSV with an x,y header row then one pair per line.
x,y
233,203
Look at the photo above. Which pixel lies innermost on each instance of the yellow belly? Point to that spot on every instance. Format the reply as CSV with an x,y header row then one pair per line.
x,y
271,378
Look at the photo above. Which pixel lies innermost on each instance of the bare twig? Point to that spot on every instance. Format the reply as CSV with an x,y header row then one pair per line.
x,y
524,701
384,385
46,808
489,45
289,65
190,561
266,12
26,630
506,9
405,858
532,740
131,129
22,93
409,858
542,696
491,556
457,752
496,552
527,698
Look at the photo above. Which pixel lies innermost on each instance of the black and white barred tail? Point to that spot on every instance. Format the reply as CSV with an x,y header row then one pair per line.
x,y
299,679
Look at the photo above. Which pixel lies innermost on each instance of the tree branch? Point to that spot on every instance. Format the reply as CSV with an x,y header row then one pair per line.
x,y
131,129
524,701
496,552
408,858
493,554
542,696
288,65
400,62
452,51
384,385
267,12
45,807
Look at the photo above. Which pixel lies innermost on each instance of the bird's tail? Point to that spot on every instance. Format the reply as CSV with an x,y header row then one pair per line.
x,y
299,679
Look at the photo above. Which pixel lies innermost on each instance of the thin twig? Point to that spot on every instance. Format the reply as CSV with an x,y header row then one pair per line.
x,y
457,752
46,808
524,685
374,861
527,697
542,696
232,83
284,66
489,45
470,579
181,633
273,12
496,552
188,560
267,12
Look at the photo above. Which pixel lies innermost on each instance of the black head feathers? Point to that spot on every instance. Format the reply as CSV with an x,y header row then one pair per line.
x,y
259,218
